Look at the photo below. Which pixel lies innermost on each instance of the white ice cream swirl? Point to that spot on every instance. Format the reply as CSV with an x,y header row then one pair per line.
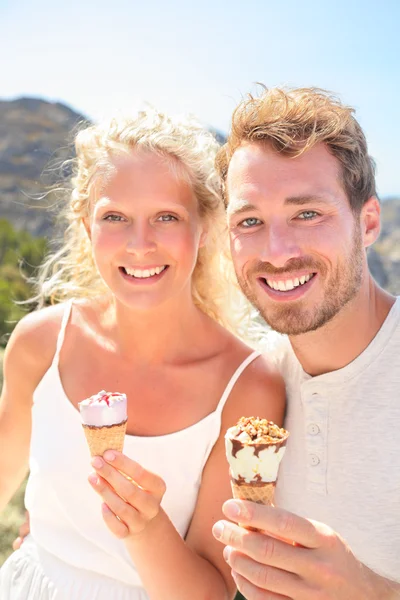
x,y
104,409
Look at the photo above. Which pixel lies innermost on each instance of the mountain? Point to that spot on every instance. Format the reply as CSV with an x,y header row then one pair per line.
x,y
384,255
36,140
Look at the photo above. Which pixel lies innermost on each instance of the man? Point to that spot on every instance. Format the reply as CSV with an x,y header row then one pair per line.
x,y
302,207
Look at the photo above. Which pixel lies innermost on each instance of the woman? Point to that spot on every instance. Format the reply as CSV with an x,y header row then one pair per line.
x,y
146,307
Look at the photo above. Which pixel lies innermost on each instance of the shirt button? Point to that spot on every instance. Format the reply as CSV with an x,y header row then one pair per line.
x,y
313,429
314,460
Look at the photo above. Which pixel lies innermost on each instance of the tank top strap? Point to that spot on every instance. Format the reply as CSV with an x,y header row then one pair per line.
x,y
61,335
247,361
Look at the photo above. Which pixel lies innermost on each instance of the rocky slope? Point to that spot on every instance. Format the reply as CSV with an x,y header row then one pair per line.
x,y
35,139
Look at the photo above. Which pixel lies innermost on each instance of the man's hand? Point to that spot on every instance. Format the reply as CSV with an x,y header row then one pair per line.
x,y
293,558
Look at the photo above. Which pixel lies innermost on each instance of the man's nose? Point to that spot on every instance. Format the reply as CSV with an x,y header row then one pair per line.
x,y
280,245
141,240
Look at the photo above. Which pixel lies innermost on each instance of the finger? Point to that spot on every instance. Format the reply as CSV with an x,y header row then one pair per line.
x,y
24,529
124,511
263,548
17,543
275,521
252,592
141,499
115,525
263,576
146,479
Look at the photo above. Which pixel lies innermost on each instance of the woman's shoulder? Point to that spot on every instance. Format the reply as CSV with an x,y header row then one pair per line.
x,y
33,341
259,391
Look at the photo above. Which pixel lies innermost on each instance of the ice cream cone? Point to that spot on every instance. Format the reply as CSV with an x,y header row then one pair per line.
x,y
109,437
254,449
261,494
104,419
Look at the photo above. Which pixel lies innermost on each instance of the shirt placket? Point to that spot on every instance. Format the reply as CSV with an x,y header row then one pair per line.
x,y
315,407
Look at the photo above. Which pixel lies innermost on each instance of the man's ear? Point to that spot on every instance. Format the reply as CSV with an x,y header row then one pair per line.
x,y
370,220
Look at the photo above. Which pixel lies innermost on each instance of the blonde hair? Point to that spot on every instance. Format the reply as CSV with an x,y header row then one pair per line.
x,y
70,272
291,121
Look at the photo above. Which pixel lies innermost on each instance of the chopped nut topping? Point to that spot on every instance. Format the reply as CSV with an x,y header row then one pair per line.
x,y
261,429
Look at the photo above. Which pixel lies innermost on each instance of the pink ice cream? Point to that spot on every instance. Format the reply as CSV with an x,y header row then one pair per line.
x,y
104,409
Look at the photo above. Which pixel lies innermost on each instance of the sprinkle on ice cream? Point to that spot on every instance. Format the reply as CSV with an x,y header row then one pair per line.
x,y
104,409
254,449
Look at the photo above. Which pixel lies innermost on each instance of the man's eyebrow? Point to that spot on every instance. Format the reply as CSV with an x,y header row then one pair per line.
x,y
301,200
243,207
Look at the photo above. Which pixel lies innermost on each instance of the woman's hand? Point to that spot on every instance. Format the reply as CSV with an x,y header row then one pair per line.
x,y
24,530
131,494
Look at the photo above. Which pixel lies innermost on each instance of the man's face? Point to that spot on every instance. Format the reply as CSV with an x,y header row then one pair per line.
x,y
297,246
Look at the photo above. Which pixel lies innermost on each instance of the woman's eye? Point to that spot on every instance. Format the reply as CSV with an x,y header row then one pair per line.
x,y
113,218
167,218
250,222
306,215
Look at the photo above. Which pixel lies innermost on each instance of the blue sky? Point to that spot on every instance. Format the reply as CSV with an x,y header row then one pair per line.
x,y
103,57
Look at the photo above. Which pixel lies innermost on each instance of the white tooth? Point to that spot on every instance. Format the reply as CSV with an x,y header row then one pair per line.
x,y
296,282
302,279
281,286
308,277
146,273
289,284
158,270
152,272
270,283
275,285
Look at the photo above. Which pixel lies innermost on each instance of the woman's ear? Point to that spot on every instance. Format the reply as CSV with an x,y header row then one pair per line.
x,y
203,238
85,222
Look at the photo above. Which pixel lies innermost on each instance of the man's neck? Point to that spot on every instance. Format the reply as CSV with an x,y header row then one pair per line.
x,y
340,341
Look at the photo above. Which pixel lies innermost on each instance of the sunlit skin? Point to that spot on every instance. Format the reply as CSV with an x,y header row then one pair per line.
x,y
144,216
288,218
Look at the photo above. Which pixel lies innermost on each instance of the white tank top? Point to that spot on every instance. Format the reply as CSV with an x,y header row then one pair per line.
x,y
65,513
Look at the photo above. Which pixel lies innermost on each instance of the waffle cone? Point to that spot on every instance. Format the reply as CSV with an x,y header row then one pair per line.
x,y
262,494
100,439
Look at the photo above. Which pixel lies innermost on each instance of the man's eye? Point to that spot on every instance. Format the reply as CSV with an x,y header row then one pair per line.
x,y
113,218
167,218
306,215
250,222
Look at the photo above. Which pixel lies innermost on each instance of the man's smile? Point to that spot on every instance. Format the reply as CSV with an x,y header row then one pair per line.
x,y
281,289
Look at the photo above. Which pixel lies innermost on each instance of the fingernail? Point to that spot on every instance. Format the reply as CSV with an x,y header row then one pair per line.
x,y
97,463
93,478
232,509
227,552
109,455
218,530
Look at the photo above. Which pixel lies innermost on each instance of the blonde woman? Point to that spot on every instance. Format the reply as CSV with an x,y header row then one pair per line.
x,y
144,305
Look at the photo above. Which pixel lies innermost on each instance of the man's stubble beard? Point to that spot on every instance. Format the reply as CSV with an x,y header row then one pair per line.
x,y
294,318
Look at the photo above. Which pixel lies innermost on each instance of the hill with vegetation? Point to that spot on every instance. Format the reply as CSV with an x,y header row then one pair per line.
x,y
35,145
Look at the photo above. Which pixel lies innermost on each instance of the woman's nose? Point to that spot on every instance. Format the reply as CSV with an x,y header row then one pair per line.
x,y
140,240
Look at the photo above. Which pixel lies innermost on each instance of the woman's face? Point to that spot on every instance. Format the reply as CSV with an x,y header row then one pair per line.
x,y
145,231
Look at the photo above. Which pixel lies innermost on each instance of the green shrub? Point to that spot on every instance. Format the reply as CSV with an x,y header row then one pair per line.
x,y
20,255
